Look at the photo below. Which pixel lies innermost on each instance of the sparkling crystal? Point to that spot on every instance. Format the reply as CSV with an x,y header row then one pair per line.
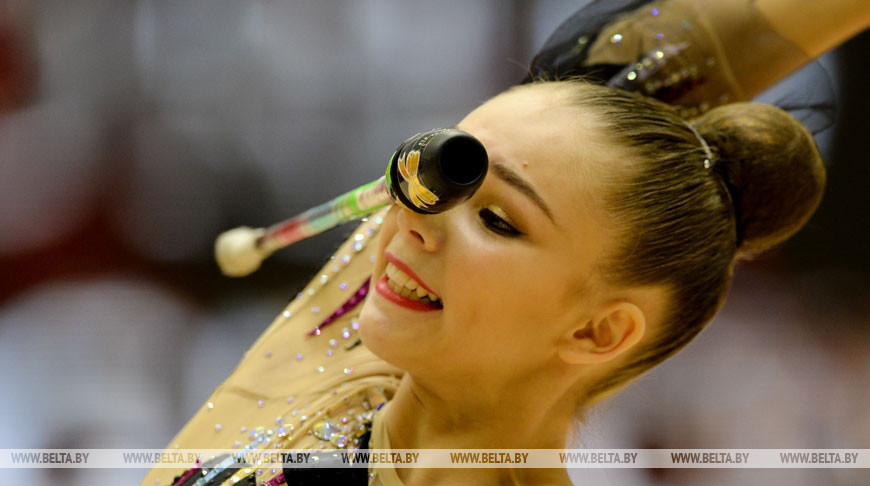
x,y
660,54
287,313
303,418
707,163
315,310
279,420
244,429
329,352
582,40
343,286
339,440
323,430
336,269
359,237
311,292
333,343
217,427
324,279
615,39
259,403
299,357
210,405
655,12
345,259
631,76
379,220
358,246
345,333
282,431
316,332
354,324
659,36
348,371
236,444
365,220
320,369
345,419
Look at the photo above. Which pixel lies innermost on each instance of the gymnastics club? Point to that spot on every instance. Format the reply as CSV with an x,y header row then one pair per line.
x,y
429,173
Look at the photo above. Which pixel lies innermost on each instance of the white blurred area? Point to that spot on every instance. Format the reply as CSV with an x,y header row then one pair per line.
x,y
133,131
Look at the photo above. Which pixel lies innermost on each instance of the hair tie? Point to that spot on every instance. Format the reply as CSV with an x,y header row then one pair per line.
x,y
730,191
708,162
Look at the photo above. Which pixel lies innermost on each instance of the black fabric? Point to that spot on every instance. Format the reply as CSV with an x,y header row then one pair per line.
x,y
327,473
560,57
808,94
219,478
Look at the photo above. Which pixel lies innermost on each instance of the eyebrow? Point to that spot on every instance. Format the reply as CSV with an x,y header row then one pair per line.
x,y
506,174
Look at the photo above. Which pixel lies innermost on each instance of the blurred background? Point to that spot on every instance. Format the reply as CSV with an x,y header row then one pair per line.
x,y
133,131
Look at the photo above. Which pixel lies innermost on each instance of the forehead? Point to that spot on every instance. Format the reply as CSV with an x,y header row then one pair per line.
x,y
559,149
540,133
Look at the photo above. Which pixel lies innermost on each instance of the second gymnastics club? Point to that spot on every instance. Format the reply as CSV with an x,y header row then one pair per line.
x,y
429,173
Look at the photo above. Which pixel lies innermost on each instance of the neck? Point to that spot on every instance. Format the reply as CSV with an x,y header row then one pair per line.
x,y
513,416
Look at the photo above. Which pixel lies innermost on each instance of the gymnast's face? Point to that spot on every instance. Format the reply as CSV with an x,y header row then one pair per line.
x,y
508,264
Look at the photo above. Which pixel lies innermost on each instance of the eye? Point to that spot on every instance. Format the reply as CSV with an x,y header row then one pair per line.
x,y
497,224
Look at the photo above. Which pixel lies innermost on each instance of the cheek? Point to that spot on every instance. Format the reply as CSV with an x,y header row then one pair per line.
x,y
386,234
497,288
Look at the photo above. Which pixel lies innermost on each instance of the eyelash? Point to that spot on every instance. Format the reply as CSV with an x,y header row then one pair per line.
x,y
496,224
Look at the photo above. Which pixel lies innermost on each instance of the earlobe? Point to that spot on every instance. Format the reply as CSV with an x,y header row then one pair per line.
x,y
607,335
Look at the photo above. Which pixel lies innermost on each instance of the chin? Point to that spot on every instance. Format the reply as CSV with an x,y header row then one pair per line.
x,y
386,339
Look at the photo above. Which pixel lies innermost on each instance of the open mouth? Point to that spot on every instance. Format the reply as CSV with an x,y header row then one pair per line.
x,y
402,289
402,284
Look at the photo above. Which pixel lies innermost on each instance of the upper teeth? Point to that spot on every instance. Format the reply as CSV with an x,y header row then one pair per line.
x,y
406,286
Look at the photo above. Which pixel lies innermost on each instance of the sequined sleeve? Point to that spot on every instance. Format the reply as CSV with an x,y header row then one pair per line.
x,y
694,54
307,382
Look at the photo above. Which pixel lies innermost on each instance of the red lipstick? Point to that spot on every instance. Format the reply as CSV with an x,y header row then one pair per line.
x,y
403,267
383,288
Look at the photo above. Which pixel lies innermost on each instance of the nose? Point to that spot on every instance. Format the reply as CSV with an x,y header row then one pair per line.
x,y
423,230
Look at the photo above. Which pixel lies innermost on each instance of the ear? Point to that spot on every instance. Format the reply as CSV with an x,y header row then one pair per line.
x,y
613,331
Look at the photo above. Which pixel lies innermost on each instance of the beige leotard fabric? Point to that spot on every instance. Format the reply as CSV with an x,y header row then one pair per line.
x,y
289,382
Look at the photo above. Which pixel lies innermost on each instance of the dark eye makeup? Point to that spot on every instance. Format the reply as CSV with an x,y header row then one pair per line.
x,y
497,224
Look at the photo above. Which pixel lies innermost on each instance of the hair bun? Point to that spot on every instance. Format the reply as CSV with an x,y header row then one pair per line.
x,y
771,167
